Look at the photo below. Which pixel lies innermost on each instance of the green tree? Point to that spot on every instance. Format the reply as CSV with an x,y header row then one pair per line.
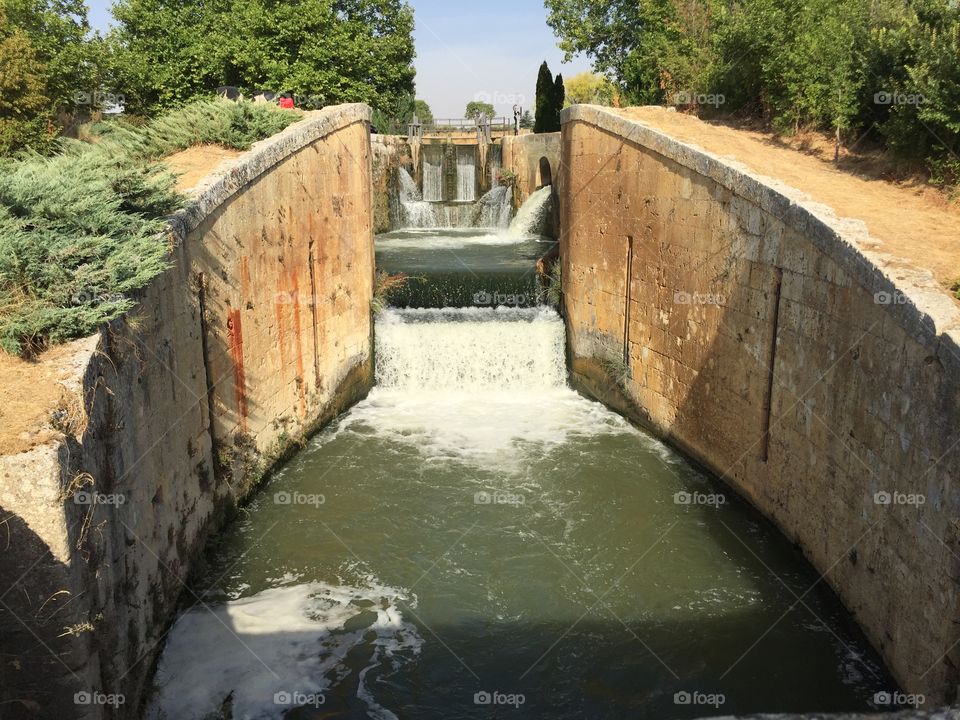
x,y
526,120
589,88
557,99
423,112
476,109
24,105
544,99
324,51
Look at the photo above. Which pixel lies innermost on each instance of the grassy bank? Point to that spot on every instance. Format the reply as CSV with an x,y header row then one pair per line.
x,y
84,228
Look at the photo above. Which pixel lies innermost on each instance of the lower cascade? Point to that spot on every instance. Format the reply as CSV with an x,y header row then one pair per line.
x,y
475,533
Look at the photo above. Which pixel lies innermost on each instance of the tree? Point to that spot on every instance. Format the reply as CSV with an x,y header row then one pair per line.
x,y
476,109
557,99
526,120
589,88
25,108
423,112
543,99
324,52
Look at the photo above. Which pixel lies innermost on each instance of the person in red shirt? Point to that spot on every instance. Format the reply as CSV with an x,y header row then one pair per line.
x,y
286,101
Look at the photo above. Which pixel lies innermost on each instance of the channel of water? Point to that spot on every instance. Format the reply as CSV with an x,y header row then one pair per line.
x,y
477,540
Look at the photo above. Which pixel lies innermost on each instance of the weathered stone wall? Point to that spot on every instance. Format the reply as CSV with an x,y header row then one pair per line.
x,y
258,334
753,330
389,153
522,154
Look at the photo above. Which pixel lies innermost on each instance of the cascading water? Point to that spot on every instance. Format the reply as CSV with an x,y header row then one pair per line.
x,y
466,174
495,208
415,212
533,217
432,173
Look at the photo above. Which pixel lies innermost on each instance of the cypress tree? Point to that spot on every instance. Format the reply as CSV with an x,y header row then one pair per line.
x,y
557,97
544,101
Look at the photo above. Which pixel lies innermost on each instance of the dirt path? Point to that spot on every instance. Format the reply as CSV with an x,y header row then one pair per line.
x,y
910,221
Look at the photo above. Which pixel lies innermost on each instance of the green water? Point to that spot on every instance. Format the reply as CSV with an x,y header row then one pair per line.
x,y
464,267
476,527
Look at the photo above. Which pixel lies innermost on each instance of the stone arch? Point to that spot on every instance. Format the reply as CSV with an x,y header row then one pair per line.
x,y
546,173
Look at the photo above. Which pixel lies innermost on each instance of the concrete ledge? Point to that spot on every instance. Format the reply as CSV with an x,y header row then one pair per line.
x,y
927,313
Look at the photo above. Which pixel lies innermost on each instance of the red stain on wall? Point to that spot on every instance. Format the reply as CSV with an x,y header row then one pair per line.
x,y
235,335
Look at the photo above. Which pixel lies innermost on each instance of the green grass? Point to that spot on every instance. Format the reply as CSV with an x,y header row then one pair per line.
x,y
85,228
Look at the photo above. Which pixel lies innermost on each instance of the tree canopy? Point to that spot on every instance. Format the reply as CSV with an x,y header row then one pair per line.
x,y
887,65
476,109
324,51
590,89
549,100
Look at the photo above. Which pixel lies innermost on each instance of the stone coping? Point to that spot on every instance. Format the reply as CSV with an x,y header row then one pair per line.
x,y
922,306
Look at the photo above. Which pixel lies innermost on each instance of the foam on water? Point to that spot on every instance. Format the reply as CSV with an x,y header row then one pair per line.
x,y
484,385
288,640
431,239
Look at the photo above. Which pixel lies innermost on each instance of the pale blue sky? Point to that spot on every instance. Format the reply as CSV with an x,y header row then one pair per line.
x,y
489,51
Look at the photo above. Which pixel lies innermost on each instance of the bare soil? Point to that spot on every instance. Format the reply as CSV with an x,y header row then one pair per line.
x,y
907,217
195,163
31,392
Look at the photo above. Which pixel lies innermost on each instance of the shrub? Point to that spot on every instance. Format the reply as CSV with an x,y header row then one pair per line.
x,y
84,229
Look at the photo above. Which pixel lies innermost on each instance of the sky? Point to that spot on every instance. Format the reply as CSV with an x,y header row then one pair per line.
x,y
489,51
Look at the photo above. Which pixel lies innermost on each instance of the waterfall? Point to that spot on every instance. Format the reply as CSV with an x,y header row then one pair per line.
x,y
466,174
533,217
416,213
473,350
495,208
432,173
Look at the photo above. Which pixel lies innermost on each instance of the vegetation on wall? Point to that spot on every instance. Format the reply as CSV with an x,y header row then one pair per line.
x,y
82,229
887,68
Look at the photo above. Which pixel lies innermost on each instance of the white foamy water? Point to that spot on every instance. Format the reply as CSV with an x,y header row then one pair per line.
x,y
533,215
285,643
483,385
430,239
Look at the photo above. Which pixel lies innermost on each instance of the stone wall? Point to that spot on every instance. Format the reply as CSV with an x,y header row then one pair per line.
x,y
754,330
522,154
258,334
389,153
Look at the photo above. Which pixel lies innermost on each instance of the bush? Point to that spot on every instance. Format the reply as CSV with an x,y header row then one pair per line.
x,y
83,229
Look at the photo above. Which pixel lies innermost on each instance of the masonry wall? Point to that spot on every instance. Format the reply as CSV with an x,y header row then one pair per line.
x,y
755,333
522,154
258,334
